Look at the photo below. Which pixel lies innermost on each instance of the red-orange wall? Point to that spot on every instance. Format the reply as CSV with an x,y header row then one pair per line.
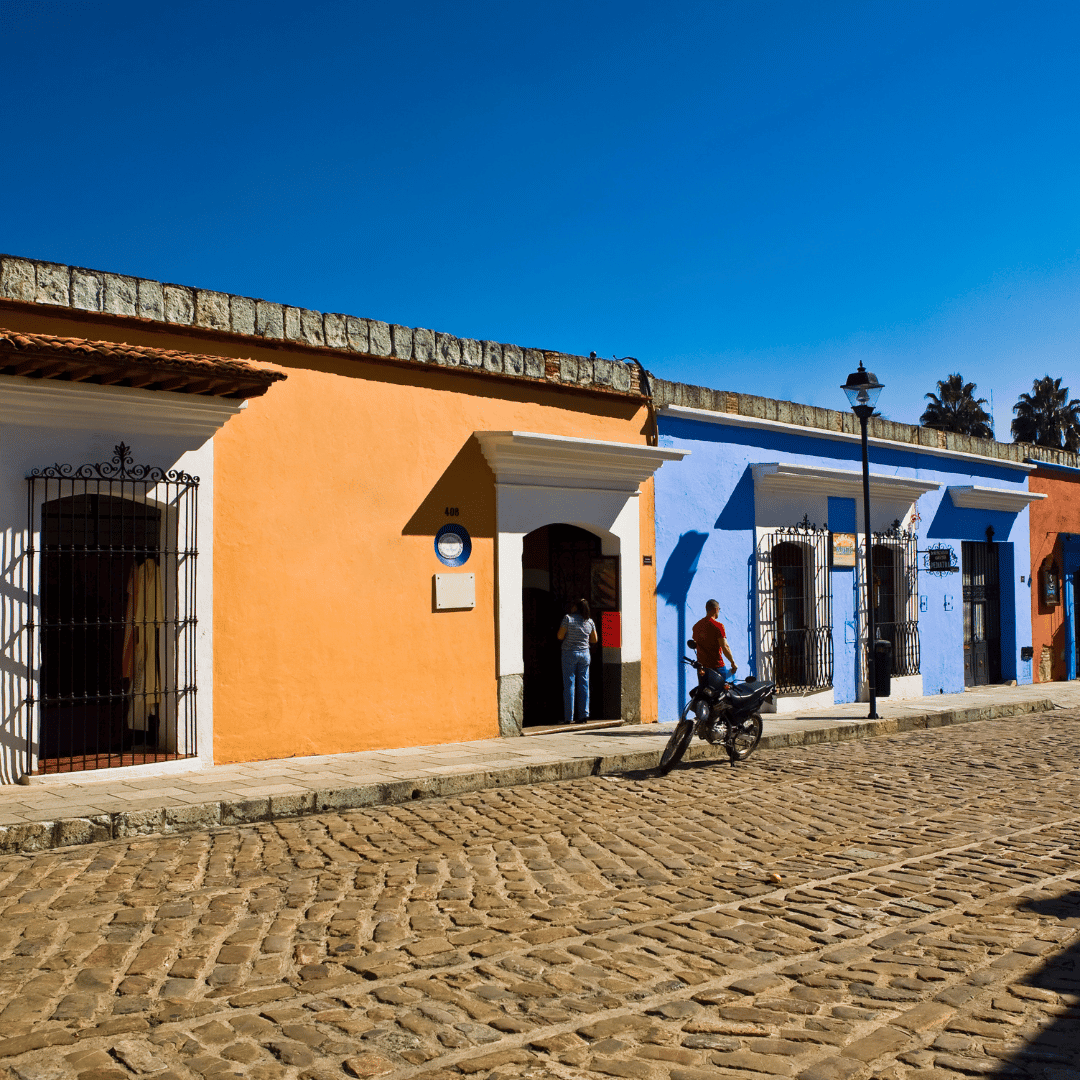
x,y
1058,513
329,492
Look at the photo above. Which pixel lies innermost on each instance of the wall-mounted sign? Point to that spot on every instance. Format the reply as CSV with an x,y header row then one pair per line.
x,y
611,629
1048,581
843,549
940,560
453,546
455,592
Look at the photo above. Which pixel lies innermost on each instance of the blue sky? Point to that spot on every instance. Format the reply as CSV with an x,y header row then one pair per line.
x,y
753,196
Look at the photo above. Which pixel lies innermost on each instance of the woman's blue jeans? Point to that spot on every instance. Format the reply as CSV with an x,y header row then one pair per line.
x,y
575,684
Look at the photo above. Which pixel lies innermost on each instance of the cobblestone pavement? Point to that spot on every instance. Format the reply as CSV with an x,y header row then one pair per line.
x,y
896,907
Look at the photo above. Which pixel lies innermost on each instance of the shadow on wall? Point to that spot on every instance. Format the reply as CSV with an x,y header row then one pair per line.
x,y
966,523
465,493
674,588
738,512
1055,1050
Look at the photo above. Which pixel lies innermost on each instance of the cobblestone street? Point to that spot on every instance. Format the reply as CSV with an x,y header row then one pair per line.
x,y
892,907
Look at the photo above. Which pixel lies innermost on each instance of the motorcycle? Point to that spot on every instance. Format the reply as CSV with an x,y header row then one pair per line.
x,y
724,714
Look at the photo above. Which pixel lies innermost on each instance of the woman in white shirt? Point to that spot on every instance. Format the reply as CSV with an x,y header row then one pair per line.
x,y
576,633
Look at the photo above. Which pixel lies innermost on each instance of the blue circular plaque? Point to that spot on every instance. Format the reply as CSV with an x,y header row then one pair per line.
x,y
453,546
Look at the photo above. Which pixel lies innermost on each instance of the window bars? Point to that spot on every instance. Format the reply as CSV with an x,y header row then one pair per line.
x,y
896,596
111,556
795,608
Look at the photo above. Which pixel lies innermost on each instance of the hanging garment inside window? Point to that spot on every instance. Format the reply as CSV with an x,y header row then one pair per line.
x,y
144,619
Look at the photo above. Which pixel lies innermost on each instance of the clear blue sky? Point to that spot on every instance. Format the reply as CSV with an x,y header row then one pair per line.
x,y
749,195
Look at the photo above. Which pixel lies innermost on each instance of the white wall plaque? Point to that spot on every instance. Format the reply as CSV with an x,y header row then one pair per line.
x,y
455,591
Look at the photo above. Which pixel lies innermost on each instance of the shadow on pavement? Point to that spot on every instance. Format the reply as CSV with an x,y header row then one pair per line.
x,y
1054,1054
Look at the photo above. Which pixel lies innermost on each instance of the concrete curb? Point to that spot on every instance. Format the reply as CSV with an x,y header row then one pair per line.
x,y
36,836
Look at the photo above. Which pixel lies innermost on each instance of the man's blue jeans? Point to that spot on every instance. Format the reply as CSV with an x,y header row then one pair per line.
x,y
575,684
724,672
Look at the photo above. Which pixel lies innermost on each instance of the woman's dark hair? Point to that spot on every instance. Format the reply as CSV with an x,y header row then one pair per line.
x,y
583,608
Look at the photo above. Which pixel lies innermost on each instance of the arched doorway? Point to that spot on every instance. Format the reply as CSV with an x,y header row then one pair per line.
x,y
561,563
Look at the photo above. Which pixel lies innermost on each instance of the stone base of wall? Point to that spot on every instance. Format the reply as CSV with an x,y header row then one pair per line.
x,y
631,692
511,704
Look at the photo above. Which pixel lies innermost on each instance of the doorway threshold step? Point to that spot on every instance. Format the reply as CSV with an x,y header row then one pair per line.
x,y
589,725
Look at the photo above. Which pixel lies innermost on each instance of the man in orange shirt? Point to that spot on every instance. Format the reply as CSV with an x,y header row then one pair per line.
x,y
710,639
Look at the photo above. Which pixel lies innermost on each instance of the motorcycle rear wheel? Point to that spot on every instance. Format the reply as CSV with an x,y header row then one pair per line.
x,y
679,741
746,736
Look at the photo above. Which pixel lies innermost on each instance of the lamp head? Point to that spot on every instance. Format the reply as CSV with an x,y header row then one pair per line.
x,y
863,389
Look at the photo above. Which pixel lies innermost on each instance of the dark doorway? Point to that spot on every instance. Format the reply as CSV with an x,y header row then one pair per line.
x,y
561,563
886,606
792,632
101,609
982,614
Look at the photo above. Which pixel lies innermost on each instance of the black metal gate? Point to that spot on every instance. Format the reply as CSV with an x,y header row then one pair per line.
x,y
111,663
982,613
896,597
795,608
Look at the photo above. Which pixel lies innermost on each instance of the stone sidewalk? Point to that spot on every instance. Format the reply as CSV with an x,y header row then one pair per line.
x,y
64,812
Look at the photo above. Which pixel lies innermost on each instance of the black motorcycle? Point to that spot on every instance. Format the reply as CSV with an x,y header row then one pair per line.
x,y
723,714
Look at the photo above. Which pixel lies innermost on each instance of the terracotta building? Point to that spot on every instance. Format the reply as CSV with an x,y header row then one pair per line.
x,y
1055,565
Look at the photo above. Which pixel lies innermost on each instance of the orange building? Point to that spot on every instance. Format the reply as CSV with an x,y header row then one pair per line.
x,y
1055,564
351,535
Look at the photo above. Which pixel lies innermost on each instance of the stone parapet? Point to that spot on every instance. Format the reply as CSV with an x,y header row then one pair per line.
x,y
666,393
32,281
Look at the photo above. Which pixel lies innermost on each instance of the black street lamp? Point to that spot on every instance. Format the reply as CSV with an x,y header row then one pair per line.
x,y
862,389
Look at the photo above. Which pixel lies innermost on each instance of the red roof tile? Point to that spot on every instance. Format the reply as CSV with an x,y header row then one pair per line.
x,y
110,363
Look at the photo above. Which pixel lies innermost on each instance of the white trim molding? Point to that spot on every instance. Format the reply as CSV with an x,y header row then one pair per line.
x,y
528,457
791,479
544,479
976,497
684,412
49,403
784,492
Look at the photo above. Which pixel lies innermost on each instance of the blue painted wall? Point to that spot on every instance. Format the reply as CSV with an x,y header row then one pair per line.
x,y
705,521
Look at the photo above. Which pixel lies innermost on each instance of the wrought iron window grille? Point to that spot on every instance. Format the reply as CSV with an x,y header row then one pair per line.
x,y
795,608
111,577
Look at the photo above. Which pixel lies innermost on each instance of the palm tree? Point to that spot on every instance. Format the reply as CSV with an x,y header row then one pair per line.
x,y
957,409
1046,417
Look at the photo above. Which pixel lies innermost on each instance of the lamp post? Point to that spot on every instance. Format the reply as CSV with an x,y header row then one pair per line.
x,y
862,389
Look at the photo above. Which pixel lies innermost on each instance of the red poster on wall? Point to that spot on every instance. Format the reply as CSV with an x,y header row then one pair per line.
x,y
611,629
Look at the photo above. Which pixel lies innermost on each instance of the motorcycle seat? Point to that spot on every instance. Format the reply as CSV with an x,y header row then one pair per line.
x,y
746,689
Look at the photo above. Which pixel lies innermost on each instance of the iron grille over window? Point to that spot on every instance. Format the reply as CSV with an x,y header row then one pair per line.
x,y
795,608
896,596
111,669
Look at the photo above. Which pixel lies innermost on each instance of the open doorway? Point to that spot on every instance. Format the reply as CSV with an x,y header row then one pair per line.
x,y
561,563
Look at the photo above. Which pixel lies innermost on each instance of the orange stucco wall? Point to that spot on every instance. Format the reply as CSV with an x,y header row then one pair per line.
x,y
328,494
1059,513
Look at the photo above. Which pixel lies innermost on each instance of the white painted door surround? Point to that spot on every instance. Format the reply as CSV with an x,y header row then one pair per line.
x,y
545,479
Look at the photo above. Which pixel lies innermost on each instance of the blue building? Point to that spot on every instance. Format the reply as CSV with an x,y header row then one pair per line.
x,y
765,515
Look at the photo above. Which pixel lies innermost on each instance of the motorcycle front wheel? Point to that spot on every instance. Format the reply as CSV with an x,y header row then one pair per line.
x,y
679,741
745,737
